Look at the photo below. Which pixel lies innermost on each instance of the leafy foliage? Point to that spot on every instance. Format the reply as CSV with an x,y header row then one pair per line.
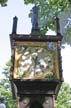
x,y
6,71
64,97
5,87
48,10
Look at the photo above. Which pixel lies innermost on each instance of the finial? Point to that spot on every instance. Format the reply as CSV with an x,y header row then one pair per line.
x,y
57,26
34,19
14,25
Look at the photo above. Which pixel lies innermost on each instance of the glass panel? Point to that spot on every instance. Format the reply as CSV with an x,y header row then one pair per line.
x,y
36,60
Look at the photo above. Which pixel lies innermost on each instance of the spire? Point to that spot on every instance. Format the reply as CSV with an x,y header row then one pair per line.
x,y
14,25
34,19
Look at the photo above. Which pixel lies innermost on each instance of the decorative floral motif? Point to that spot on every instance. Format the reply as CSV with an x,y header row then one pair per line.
x,y
35,62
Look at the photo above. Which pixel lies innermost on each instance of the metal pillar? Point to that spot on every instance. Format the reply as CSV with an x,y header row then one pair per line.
x,y
36,102
48,102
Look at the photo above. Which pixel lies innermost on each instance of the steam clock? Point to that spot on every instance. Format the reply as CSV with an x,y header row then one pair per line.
x,y
36,68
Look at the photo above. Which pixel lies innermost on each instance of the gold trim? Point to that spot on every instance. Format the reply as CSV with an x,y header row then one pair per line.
x,y
31,43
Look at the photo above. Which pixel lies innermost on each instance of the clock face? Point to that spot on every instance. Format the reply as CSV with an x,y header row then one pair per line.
x,y
36,60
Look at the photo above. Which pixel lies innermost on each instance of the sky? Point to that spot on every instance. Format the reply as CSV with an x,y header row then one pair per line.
x,y
14,8
17,8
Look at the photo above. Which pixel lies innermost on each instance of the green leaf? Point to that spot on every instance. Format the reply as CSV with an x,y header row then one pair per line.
x,y
3,2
